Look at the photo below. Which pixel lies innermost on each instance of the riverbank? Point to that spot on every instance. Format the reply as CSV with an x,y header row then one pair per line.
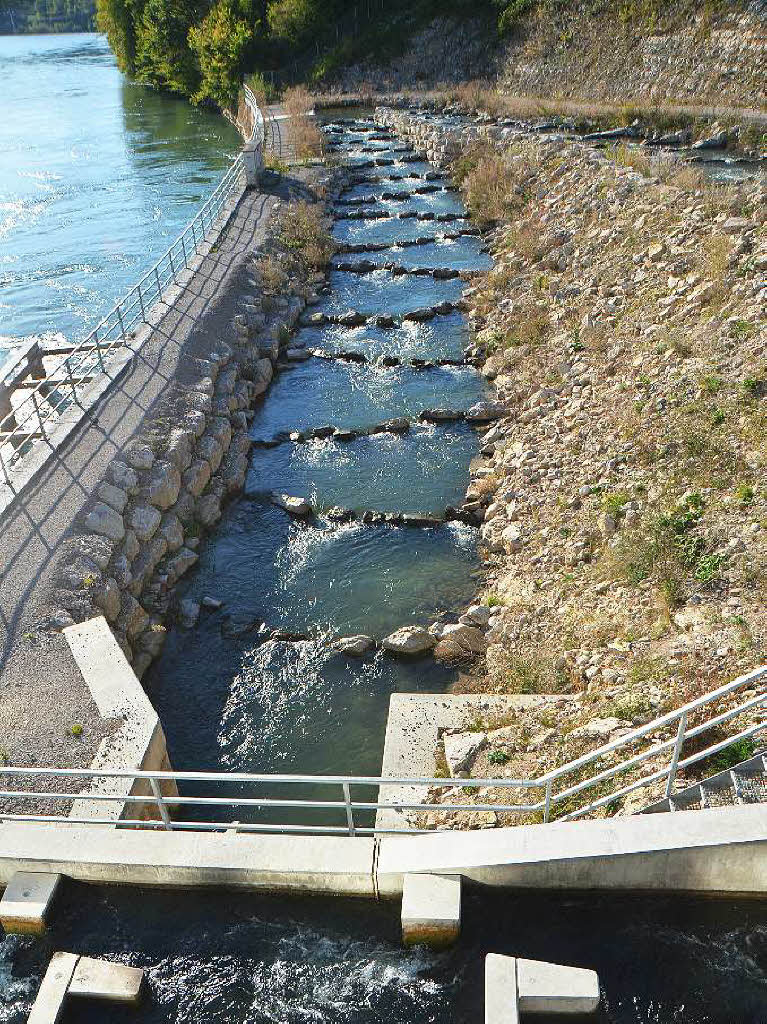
x,y
623,529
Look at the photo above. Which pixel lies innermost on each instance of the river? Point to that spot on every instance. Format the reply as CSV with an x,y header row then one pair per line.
x,y
97,177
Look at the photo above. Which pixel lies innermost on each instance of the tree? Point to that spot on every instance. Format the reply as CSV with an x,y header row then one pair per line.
x,y
220,43
163,57
115,19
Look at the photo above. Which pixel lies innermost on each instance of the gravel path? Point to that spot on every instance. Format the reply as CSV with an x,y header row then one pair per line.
x,y
42,694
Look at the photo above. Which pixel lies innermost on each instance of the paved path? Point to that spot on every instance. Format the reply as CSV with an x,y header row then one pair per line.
x,y
41,692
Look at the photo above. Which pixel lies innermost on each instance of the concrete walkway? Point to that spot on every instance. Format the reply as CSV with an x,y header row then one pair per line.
x,y
42,694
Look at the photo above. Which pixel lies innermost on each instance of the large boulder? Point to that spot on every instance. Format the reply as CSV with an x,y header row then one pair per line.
x,y
459,642
409,640
105,521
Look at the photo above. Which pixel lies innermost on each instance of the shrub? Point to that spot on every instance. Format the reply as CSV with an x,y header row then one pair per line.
x,y
306,136
303,233
668,551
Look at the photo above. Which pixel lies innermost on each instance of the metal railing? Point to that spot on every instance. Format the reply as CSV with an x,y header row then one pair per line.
x,y
163,804
678,723
551,799
65,379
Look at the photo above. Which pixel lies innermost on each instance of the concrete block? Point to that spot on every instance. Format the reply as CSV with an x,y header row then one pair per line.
x,y
27,900
101,979
48,1006
553,989
431,909
501,995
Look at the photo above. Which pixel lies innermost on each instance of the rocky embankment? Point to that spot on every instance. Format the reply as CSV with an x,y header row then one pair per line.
x,y
625,527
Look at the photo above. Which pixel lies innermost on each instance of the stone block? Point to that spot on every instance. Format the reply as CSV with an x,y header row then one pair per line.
x,y
546,988
49,1004
27,900
501,994
431,909
101,979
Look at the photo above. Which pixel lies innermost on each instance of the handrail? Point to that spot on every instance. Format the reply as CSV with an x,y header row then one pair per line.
x,y
545,801
88,358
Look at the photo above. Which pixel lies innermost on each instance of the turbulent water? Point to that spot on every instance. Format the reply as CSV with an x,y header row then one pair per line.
x,y
244,959
97,176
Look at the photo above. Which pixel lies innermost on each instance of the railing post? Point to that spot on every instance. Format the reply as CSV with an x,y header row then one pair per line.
x,y
172,267
122,325
33,396
71,380
99,356
161,807
157,279
194,238
141,302
349,813
677,751
547,805
183,249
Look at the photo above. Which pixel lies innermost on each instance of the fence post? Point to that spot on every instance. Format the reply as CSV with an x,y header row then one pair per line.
x,y
161,807
33,396
122,325
677,751
98,350
349,813
141,302
172,268
547,805
157,279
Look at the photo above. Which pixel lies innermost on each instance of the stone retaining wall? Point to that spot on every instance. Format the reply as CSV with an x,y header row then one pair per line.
x,y
144,526
704,54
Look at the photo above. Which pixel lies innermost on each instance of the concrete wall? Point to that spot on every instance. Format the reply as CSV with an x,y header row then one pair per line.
x,y
717,851
139,742
721,851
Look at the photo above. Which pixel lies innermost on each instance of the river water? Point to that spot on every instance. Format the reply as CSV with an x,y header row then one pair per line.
x,y
97,177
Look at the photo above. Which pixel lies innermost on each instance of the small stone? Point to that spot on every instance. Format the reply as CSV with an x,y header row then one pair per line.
x,y
212,603
140,456
164,486
145,521
180,563
208,509
188,613
296,506
113,496
511,538
461,749
355,646
123,476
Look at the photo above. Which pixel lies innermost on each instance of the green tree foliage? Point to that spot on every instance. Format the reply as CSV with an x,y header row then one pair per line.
x,y
220,43
116,19
163,57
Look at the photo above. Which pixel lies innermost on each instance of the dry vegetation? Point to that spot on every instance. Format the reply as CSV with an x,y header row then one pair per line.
x,y
305,135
